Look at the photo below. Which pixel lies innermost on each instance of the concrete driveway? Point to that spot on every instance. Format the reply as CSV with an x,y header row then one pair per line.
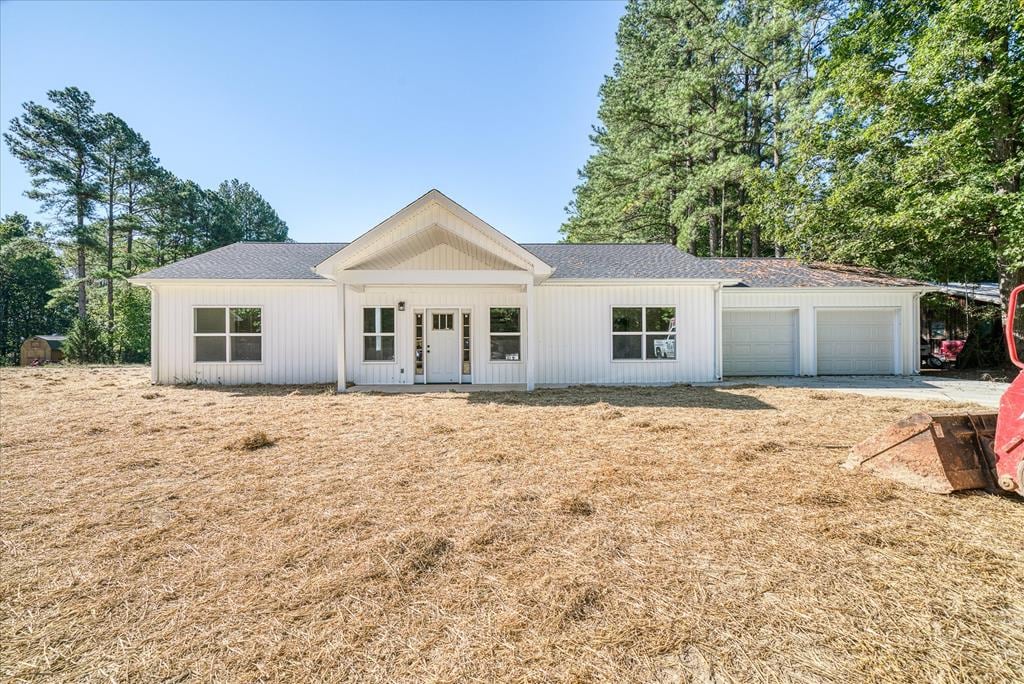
x,y
982,392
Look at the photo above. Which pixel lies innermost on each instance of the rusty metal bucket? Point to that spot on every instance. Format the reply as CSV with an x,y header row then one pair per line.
x,y
936,453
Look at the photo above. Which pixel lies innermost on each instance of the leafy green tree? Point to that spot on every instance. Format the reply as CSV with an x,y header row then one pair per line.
x,y
57,146
914,164
29,271
131,332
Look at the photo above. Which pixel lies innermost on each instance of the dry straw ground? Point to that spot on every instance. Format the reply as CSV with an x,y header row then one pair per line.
x,y
672,534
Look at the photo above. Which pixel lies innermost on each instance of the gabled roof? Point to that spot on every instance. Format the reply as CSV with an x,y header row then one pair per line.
x,y
250,261
433,211
624,261
779,272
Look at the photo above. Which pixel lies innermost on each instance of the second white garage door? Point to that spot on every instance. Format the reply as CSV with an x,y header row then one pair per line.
x,y
856,342
759,342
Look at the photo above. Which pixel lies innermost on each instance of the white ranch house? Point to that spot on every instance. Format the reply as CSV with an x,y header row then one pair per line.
x,y
435,295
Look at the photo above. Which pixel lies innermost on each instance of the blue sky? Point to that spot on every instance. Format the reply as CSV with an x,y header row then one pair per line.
x,y
338,113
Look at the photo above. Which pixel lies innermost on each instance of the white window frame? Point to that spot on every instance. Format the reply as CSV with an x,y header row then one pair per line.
x,y
643,333
379,335
227,334
491,333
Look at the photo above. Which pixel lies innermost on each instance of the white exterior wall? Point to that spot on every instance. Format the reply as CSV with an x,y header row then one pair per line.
x,y
574,334
298,334
808,301
476,299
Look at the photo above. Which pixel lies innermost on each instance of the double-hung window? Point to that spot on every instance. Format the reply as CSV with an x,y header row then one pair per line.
x,y
643,333
506,335
378,333
224,334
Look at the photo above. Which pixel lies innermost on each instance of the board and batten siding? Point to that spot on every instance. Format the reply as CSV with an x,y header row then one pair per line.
x,y
475,299
298,321
574,338
809,301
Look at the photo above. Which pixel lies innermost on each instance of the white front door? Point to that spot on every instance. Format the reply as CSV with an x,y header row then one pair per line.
x,y
442,346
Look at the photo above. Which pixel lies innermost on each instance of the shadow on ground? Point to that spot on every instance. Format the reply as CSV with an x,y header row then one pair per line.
x,y
674,396
678,396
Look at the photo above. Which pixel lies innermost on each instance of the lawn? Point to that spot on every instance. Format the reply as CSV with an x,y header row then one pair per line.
x,y
661,534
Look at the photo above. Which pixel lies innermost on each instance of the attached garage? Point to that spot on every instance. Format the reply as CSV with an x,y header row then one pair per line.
x,y
785,317
856,341
760,342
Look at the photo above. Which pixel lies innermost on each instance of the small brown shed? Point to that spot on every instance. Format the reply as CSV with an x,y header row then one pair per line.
x,y
42,349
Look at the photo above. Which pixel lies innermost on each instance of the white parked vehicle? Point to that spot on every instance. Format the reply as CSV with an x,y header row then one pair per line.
x,y
666,348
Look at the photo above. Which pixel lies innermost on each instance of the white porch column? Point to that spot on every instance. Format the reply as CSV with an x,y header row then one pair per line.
x,y
531,339
342,288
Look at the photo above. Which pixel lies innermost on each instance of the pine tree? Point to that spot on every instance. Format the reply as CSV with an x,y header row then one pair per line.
x,y
58,148
85,342
252,218
694,138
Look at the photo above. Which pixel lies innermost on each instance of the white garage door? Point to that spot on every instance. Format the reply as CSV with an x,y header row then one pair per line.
x,y
759,342
856,342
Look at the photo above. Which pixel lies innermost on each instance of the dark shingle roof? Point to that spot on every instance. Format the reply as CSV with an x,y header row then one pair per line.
x,y
774,272
296,260
623,261
251,261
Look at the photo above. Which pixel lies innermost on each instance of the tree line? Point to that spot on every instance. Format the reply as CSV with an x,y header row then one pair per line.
x,y
883,133
116,212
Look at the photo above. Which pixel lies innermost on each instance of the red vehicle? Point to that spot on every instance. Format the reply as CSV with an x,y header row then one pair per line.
x,y
947,453
944,356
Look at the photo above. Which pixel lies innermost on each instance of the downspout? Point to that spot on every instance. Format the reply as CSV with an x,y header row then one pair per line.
x,y
718,332
915,351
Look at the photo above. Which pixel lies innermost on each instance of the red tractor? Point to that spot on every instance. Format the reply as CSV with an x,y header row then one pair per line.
x,y
947,453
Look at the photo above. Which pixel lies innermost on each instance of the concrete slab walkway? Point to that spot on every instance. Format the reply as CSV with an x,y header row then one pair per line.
x,y
981,392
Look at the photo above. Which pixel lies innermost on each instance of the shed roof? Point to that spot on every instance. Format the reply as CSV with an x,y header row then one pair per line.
x,y
987,293
55,341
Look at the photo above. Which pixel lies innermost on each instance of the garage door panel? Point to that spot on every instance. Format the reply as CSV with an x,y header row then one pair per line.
x,y
856,342
759,342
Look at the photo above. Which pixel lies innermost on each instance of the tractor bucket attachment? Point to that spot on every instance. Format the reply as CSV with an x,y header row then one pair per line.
x,y
936,453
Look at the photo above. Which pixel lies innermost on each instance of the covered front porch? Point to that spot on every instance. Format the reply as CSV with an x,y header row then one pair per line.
x,y
434,297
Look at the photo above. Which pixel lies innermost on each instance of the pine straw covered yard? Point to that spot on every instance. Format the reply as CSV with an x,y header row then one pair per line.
x,y
670,534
